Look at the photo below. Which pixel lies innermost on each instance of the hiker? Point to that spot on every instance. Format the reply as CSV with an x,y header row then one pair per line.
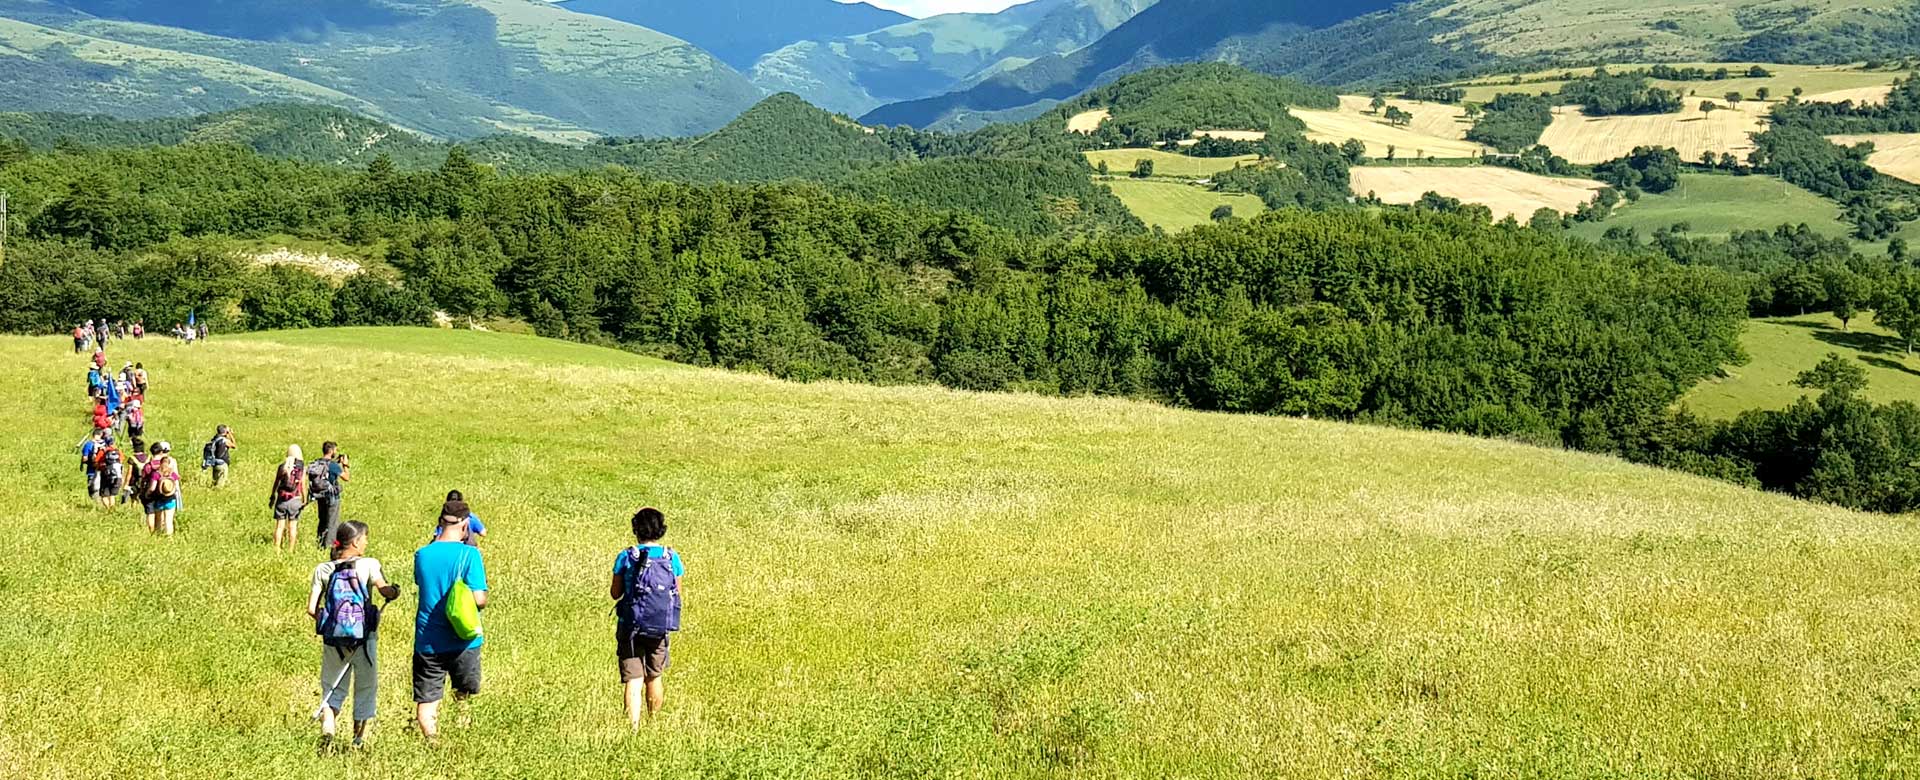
x,y
288,497
138,466
324,478
136,421
340,601
139,329
475,530
160,488
88,447
140,379
96,381
100,360
452,582
102,419
110,472
646,595
218,454
79,339
203,330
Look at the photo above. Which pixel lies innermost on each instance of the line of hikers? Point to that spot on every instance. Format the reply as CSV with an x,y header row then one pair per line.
x,y
91,336
451,576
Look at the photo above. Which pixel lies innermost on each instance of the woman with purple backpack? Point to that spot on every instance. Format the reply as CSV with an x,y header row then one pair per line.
x,y
340,601
646,594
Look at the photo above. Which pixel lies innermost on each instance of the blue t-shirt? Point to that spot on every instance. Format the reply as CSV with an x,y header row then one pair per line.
x,y
87,449
474,526
434,568
625,561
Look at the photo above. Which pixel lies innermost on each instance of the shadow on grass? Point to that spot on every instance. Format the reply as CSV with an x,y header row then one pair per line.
x,y
1863,342
1890,365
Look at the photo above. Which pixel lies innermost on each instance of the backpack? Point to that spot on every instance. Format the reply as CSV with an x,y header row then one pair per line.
x,y
105,456
343,619
290,482
650,605
320,476
463,610
150,481
168,487
206,453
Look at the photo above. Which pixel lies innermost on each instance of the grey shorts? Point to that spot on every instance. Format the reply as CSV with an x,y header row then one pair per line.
x,y
288,509
642,657
431,670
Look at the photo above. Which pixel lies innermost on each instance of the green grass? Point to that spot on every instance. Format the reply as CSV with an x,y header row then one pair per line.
x,y
1779,349
1123,161
918,583
1716,206
1176,206
1812,79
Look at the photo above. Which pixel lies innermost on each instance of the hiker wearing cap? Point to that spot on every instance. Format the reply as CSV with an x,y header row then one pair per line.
x,y
324,478
475,530
646,597
288,497
160,488
340,601
452,581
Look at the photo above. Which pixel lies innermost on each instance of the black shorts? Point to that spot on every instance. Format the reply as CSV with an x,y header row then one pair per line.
x,y
431,670
642,657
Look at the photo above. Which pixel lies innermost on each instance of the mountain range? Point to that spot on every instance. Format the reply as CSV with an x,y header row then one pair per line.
x,y
579,69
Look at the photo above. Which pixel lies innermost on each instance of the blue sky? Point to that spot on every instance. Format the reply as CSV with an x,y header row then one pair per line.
x,y
931,7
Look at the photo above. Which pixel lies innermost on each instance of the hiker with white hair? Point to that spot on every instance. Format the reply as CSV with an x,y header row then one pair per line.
x,y
289,496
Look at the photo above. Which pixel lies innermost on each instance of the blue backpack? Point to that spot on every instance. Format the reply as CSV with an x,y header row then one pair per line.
x,y
650,606
342,621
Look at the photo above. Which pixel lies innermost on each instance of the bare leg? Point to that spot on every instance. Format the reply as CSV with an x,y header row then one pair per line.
x,y
636,701
279,528
428,716
656,695
166,522
153,522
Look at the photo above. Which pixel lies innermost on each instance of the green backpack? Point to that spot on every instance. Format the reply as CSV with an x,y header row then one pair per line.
x,y
462,613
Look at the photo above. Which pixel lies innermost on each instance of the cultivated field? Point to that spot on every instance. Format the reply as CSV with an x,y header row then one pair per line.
x,y
1813,80
1586,140
1175,206
916,583
1861,95
1437,129
1716,206
1504,190
1894,154
1122,161
1782,348
1086,122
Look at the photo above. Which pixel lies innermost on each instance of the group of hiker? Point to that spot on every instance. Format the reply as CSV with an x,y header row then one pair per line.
x,y
449,571
451,576
92,335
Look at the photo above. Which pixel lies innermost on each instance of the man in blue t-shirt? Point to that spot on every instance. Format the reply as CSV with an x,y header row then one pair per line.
x,y
476,530
438,652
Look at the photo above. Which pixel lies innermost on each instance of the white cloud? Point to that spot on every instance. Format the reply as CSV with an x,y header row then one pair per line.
x,y
925,8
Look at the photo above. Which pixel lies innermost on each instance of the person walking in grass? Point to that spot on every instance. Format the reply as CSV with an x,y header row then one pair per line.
x,y
340,601
449,575
160,489
136,419
110,470
136,468
475,530
218,454
140,379
89,447
324,478
288,497
646,594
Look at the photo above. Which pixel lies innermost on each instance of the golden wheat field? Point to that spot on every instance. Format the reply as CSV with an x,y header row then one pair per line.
x,y
1587,140
1504,190
1086,122
1437,129
1895,154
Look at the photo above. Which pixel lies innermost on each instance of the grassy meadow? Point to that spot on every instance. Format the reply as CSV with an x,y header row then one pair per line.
x,y
1123,161
915,583
1779,349
1176,206
1717,206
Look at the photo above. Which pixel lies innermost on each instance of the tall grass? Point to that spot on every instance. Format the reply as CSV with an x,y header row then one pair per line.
x,y
918,583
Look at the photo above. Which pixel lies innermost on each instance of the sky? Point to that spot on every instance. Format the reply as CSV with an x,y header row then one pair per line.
x,y
924,8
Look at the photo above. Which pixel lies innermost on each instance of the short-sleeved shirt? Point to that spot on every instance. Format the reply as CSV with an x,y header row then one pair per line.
x,y
87,449
222,450
435,567
367,568
474,526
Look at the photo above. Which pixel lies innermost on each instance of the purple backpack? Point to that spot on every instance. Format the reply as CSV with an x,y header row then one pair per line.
x,y
650,606
342,621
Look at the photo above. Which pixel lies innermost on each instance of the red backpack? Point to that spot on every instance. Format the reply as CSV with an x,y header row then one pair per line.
x,y
290,484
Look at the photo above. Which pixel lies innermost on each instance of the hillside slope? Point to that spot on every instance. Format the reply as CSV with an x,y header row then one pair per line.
x,y
1166,594
454,68
739,31
1376,42
930,56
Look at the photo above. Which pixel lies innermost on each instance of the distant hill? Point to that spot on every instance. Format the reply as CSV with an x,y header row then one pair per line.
x,y
739,31
1170,31
1374,42
450,68
303,132
930,56
781,138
